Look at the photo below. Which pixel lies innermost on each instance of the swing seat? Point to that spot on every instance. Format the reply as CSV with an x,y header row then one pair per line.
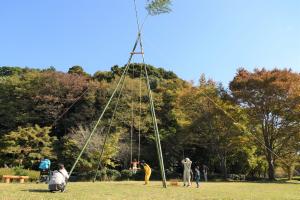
x,y
174,182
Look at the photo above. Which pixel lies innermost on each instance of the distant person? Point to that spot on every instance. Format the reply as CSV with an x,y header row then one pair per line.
x,y
45,164
134,164
205,172
44,168
59,179
147,170
192,176
197,175
187,164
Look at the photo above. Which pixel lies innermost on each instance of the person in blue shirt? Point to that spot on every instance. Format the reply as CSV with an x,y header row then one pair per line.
x,y
45,164
44,168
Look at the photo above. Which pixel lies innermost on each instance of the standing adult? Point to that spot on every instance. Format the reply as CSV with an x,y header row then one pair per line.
x,y
147,170
205,172
187,164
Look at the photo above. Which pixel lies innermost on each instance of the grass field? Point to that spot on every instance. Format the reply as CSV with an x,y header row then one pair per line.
x,y
136,190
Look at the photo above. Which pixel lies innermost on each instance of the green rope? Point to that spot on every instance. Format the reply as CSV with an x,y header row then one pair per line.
x,y
105,108
132,118
154,120
140,115
67,110
109,128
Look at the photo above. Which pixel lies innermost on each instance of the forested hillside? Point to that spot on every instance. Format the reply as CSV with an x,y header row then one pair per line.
x,y
251,128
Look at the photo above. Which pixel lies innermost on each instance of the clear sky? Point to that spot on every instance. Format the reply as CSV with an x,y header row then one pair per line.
x,y
214,37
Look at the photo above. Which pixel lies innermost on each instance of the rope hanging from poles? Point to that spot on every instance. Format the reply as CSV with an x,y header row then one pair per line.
x,y
154,121
132,118
140,114
106,106
109,128
120,85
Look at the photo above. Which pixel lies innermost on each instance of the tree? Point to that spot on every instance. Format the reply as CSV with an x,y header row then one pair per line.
x,y
54,92
272,101
77,70
73,143
16,104
27,145
206,127
156,7
43,97
103,76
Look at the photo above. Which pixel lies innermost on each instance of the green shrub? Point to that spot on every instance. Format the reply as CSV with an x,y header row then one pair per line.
x,y
139,175
33,175
113,175
20,171
172,174
84,176
126,174
102,174
6,171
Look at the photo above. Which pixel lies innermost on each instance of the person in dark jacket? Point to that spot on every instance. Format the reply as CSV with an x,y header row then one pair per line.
x,y
197,175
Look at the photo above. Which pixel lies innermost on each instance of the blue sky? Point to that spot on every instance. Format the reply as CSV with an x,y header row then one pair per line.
x,y
214,37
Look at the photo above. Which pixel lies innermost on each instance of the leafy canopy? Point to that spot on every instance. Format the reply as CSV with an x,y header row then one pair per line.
x,y
156,7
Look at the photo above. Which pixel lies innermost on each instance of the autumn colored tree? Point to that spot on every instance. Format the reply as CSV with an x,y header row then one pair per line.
x,y
205,121
272,101
206,126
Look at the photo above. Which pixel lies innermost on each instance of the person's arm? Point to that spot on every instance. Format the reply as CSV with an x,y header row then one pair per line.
x,y
65,173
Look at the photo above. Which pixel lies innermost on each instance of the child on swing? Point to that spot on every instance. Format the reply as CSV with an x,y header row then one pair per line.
x,y
134,164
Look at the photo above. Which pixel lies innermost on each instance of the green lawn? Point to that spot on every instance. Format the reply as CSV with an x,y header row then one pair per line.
x,y
136,190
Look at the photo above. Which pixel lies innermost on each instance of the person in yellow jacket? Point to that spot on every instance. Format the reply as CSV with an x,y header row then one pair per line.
x,y
147,170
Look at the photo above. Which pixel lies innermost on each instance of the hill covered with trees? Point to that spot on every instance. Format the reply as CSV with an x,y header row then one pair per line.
x,y
251,128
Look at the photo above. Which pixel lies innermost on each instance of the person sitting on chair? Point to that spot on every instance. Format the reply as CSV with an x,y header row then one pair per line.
x,y
59,179
147,170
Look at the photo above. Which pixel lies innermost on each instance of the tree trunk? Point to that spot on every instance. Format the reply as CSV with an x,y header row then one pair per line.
x,y
224,166
271,166
268,144
290,171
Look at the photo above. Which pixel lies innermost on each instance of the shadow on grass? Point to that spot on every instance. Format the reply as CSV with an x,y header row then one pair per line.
x,y
295,181
37,190
269,182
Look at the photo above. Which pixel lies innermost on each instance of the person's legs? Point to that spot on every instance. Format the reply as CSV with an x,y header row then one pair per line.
x,y
197,181
53,187
189,178
62,187
184,178
147,177
205,177
134,170
146,182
